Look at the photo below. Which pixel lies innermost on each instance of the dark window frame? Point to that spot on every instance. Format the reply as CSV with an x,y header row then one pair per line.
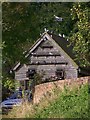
x,y
60,73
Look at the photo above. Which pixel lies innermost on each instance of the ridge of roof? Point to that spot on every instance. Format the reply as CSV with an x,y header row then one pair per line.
x,y
64,44
61,41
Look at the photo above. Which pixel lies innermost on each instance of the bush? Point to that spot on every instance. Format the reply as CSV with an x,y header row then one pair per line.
x,y
8,86
69,104
38,78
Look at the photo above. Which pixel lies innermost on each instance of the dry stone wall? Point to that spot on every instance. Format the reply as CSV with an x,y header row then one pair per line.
x,y
42,89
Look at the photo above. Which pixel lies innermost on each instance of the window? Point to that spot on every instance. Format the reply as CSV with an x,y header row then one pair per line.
x,y
60,74
30,73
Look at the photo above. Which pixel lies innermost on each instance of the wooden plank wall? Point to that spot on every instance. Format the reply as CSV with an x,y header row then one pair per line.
x,y
50,69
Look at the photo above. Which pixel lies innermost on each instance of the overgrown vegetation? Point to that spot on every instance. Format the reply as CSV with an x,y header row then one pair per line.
x,y
38,78
23,23
70,103
8,87
81,33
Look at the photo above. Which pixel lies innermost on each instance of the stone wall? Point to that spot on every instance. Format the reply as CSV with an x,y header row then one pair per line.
x,y
42,89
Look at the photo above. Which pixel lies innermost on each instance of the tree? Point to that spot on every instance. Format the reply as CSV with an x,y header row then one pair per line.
x,y
22,24
80,35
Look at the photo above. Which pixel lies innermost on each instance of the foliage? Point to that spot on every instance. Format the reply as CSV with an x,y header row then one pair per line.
x,y
14,31
80,35
38,78
71,104
8,86
8,83
22,24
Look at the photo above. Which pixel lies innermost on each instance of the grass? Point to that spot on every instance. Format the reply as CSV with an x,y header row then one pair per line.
x,y
69,104
66,104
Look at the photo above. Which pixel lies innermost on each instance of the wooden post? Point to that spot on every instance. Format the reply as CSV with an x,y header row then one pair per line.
x,y
24,84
